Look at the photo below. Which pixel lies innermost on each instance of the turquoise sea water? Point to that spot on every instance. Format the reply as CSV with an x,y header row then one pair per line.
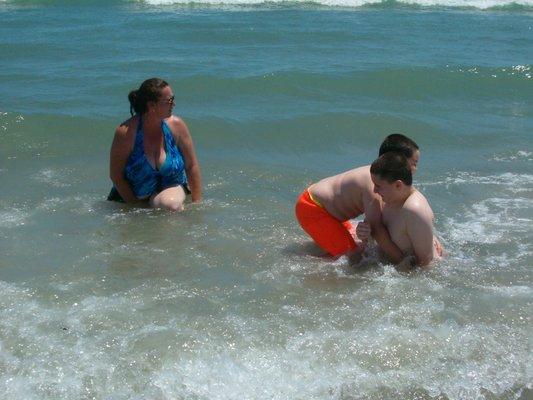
x,y
230,300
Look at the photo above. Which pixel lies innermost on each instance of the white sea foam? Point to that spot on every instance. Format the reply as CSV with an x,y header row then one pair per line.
x,y
480,4
490,221
79,204
54,177
511,291
7,119
126,215
515,183
516,70
128,343
13,217
521,155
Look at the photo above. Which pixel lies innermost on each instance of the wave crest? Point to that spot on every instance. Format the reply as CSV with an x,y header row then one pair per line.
x,y
525,5
491,5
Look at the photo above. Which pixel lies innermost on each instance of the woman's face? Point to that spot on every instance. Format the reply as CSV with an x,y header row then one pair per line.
x,y
165,104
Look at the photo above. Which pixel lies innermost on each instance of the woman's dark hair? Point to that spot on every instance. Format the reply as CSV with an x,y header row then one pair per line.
x,y
392,166
150,90
400,143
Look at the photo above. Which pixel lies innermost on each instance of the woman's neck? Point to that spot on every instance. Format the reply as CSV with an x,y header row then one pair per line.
x,y
151,125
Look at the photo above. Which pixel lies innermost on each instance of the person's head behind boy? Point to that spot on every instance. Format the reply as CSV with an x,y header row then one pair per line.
x,y
392,177
402,144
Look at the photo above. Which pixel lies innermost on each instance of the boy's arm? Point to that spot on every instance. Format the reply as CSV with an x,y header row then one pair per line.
x,y
420,232
380,232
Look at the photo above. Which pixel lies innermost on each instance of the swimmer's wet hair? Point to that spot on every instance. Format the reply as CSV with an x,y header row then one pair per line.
x,y
392,166
400,143
150,90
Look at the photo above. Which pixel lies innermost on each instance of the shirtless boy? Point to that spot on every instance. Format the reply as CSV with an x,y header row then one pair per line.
x,y
325,208
406,212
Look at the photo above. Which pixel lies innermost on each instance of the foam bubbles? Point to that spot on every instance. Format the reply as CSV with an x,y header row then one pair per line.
x,y
54,177
525,292
13,217
7,120
514,182
77,204
491,221
520,155
331,345
481,4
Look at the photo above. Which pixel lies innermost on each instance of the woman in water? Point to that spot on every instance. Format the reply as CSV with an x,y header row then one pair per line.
x,y
152,156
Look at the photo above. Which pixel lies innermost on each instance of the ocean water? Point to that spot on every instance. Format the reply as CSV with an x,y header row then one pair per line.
x,y
230,299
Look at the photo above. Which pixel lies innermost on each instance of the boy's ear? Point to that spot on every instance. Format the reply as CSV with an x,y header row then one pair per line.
x,y
398,184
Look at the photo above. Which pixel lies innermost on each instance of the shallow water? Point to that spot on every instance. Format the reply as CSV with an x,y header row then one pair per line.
x,y
230,299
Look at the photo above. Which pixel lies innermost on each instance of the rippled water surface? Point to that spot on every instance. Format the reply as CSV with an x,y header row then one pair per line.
x,y
230,299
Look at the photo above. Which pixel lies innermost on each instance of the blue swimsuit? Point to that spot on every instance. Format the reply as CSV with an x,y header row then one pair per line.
x,y
143,178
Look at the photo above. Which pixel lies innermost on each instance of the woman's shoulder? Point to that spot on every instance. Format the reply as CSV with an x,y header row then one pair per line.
x,y
176,123
178,127
127,128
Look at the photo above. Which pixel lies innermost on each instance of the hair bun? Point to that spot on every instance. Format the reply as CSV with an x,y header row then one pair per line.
x,y
149,91
133,97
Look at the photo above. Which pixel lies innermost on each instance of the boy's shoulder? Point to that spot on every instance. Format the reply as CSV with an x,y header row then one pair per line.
x,y
417,205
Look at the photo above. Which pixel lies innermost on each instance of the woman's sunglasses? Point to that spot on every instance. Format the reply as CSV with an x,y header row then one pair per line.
x,y
170,100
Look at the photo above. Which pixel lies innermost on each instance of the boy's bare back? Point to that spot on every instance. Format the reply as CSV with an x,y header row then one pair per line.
x,y
346,195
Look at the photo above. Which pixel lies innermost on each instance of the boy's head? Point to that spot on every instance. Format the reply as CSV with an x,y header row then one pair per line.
x,y
401,144
392,176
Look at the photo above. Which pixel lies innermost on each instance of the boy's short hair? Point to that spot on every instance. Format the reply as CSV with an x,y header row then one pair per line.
x,y
392,166
400,143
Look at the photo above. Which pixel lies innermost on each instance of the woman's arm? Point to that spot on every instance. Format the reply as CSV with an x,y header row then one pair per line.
x,y
120,151
192,167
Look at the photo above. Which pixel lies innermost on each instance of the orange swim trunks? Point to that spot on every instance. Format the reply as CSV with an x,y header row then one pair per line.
x,y
329,233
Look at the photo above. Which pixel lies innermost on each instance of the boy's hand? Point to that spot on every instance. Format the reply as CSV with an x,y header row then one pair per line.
x,y
363,231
